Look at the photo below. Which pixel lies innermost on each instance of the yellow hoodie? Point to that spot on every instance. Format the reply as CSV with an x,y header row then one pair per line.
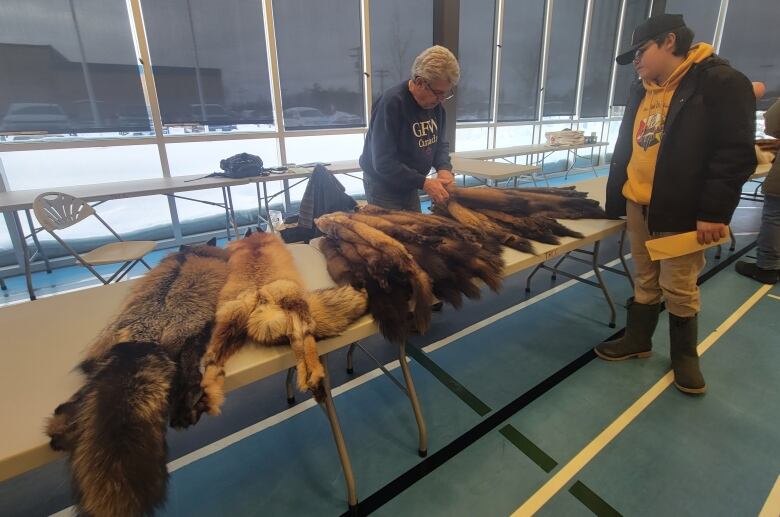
x,y
649,127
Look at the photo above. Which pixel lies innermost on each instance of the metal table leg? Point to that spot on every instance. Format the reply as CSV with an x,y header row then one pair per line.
x,y
341,446
350,353
289,386
232,211
25,257
530,277
34,235
602,285
227,213
423,448
267,208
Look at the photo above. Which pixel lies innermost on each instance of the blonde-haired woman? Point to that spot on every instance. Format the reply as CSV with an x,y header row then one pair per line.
x,y
406,136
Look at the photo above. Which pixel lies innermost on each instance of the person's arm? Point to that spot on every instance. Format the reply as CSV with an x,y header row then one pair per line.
x,y
384,148
772,120
730,99
441,158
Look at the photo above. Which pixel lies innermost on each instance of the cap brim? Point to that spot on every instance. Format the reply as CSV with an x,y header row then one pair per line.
x,y
626,57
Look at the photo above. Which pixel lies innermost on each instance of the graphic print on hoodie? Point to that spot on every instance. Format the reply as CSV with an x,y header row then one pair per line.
x,y
649,127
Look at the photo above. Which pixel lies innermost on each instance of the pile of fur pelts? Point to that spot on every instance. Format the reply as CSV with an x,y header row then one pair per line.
x,y
188,315
404,260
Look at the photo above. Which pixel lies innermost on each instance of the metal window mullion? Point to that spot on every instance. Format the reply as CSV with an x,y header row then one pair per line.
x,y
583,59
148,78
544,63
365,12
499,42
273,70
276,87
618,37
720,25
154,105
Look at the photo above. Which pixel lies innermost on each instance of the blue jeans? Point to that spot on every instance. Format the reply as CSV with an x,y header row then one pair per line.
x,y
768,256
378,196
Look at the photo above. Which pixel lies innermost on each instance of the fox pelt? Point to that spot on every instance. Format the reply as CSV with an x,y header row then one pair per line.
x,y
264,299
404,259
141,373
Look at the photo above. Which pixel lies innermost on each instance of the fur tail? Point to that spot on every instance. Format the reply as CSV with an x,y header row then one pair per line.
x,y
333,310
116,427
230,331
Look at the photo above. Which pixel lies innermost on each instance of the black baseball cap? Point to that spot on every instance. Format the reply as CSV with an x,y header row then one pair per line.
x,y
648,30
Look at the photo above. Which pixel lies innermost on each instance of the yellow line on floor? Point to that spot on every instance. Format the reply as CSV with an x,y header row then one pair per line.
x,y
567,473
772,505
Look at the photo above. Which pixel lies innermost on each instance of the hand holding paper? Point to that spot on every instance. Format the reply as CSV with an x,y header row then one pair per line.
x,y
682,244
708,232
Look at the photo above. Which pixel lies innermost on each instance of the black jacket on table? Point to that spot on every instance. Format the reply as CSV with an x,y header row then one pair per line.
x,y
403,142
707,150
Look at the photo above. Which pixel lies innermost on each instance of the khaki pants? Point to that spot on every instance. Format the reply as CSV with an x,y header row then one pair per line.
x,y
672,280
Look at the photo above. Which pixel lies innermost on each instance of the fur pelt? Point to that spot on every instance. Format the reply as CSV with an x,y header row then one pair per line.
x,y
264,299
397,255
551,202
386,267
513,216
140,373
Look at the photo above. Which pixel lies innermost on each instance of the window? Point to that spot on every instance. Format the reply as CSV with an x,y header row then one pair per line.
x,y
599,58
476,41
700,15
564,57
589,156
69,67
556,161
203,158
613,130
58,168
521,54
400,30
636,13
145,217
210,63
471,138
304,149
508,136
320,63
750,41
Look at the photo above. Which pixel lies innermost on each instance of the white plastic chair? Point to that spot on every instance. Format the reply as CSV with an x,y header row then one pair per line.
x,y
57,211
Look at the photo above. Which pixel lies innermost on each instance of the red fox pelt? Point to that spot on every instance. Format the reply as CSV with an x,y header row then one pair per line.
x,y
140,373
264,299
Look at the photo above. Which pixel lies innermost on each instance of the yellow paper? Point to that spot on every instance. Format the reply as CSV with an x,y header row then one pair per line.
x,y
679,245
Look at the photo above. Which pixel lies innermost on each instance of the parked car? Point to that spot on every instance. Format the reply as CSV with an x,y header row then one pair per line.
x,y
342,118
133,116
303,116
35,116
217,117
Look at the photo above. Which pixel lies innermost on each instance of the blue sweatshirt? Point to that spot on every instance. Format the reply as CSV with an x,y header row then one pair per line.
x,y
403,142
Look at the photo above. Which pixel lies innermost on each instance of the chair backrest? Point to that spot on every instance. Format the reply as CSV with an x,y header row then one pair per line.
x,y
57,210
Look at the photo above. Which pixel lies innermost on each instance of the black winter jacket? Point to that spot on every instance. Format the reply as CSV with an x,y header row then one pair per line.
x,y
707,150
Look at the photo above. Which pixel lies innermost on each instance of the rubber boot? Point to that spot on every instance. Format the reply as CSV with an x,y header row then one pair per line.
x,y
637,340
685,359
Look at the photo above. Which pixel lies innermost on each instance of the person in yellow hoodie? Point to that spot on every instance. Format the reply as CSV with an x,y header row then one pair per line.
x,y
684,150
